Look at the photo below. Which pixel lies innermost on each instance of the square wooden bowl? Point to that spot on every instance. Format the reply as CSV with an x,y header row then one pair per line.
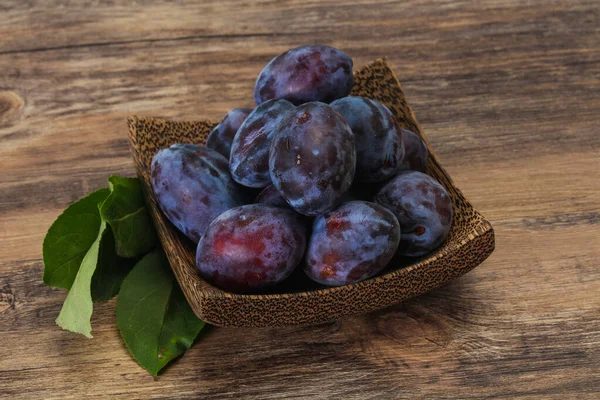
x,y
298,300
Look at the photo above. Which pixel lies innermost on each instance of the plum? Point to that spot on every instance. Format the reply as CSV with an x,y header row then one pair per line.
x,y
221,137
379,147
423,208
307,73
192,186
251,247
312,158
271,197
351,243
415,152
249,159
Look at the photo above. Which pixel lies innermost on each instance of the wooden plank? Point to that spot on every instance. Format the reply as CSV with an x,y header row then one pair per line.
x,y
40,25
473,333
509,95
65,130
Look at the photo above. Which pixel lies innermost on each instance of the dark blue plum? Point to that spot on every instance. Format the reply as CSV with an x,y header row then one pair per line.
x,y
415,152
192,186
423,208
379,148
312,158
351,243
222,135
249,159
271,197
307,73
251,247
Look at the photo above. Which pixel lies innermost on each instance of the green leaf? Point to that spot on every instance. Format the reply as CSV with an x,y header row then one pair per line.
x,y
180,328
154,318
110,271
125,211
77,309
69,239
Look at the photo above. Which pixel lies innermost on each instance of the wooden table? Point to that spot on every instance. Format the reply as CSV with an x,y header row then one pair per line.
x,y
508,93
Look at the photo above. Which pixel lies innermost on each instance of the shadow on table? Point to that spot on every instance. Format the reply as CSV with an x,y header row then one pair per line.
x,y
372,351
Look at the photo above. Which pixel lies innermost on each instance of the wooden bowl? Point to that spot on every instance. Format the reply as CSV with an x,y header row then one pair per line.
x,y
298,300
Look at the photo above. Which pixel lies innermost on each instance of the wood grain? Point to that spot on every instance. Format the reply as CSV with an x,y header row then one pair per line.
x,y
508,93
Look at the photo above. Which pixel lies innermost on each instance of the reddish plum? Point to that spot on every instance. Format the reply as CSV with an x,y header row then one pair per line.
x,y
251,247
351,243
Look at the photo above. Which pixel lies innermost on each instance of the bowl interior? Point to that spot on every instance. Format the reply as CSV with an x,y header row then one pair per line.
x,y
376,81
